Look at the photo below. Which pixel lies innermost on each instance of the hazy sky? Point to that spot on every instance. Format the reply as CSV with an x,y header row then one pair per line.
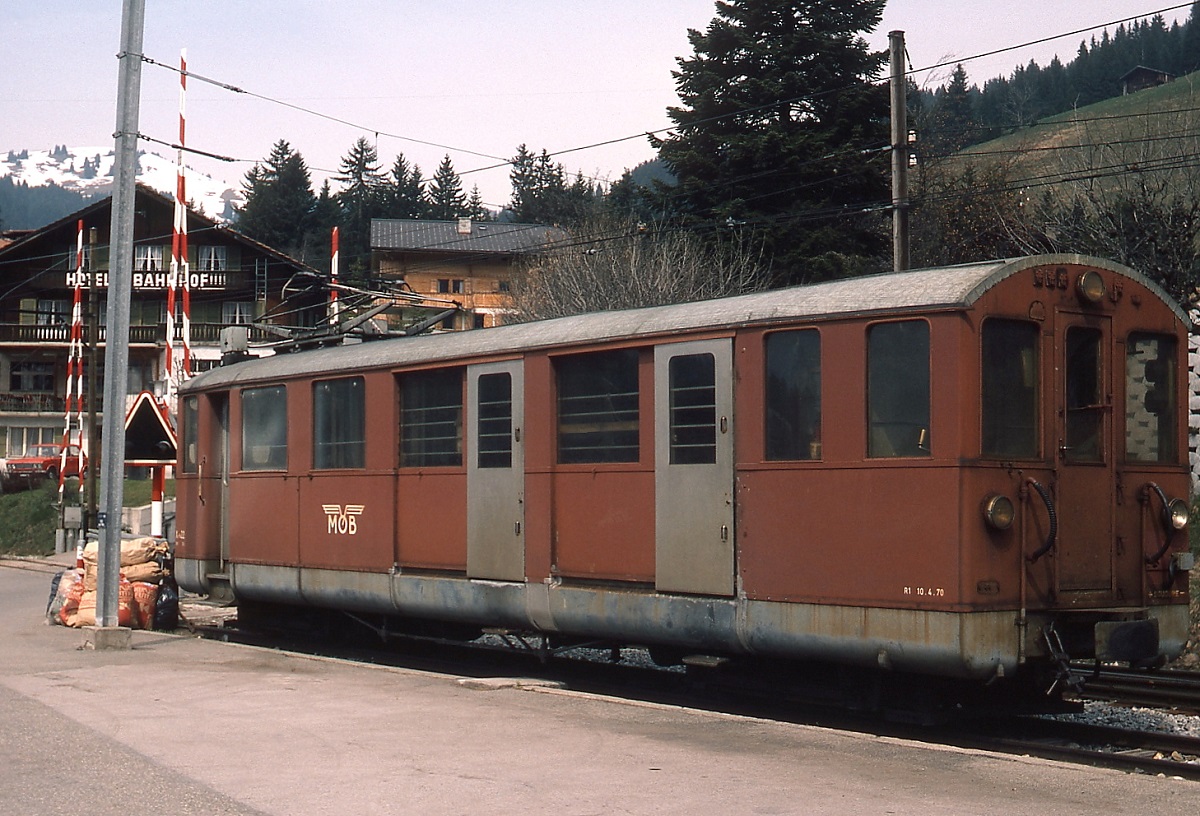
x,y
474,78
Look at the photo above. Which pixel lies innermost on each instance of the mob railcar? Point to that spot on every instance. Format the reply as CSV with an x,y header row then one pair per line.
x,y
971,472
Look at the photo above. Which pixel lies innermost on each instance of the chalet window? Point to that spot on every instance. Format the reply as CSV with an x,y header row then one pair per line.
x,y
431,416
1009,392
793,404
598,407
898,389
264,428
147,258
1150,398
191,431
52,312
339,424
443,286
448,286
234,312
28,377
212,259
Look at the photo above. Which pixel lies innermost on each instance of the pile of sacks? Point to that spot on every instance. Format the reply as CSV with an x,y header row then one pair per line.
x,y
147,596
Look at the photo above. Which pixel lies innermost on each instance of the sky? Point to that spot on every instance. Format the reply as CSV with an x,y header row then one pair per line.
x,y
582,79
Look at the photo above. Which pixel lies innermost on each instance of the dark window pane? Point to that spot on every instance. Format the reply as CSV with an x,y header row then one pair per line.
x,y
431,408
1150,398
898,389
191,430
1009,392
598,407
494,416
264,428
1085,403
793,404
339,424
693,391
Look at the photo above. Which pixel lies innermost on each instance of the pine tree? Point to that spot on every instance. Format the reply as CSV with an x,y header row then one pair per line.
x,y
541,194
778,103
404,196
360,200
279,201
446,198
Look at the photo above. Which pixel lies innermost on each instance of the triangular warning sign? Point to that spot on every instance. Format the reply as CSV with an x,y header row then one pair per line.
x,y
149,438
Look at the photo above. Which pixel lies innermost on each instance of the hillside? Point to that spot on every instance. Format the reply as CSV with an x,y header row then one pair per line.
x,y
1153,131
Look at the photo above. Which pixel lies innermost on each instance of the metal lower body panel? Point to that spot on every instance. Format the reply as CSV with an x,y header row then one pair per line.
x,y
970,645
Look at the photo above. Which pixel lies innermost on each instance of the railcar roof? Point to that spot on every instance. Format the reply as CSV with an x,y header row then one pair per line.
x,y
935,288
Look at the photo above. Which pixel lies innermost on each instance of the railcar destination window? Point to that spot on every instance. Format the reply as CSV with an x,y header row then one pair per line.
x,y
264,428
339,424
793,404
898,389
1150,398
1009,388
431,411
598,407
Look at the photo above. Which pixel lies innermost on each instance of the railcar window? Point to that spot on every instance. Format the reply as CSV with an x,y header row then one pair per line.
x,y
1150,397
494,415
1085,405
339,424
693,394
598,407
264,428
191,430
898,389
431,410
793,405
1009,392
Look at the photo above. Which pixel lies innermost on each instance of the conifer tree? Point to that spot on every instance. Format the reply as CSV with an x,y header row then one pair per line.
x,y
446,198
279,201
360,197
404,196
778,104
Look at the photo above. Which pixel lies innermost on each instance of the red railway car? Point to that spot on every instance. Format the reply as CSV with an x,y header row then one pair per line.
x,y
970,472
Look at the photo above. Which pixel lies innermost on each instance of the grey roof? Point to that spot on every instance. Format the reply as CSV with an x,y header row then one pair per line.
x,y
486,237
941,288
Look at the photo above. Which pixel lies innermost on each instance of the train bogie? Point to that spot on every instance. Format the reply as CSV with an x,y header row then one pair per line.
x,y
969,472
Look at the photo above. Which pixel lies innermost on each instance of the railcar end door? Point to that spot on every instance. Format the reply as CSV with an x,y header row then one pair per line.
x,y
495,472
693,471
1085,456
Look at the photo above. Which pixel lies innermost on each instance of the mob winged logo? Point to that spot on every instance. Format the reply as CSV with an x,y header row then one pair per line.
x,y
342,520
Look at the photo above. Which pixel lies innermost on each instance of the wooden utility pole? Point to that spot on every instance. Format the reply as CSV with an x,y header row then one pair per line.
x,y
899,153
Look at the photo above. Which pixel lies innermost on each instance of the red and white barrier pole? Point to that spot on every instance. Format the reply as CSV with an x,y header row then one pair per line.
x,y
158,484
333,278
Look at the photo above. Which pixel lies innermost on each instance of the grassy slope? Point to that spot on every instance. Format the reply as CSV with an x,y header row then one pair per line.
x,y
28,519
1112,123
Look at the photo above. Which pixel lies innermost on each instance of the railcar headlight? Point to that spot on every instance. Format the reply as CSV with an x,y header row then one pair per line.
x,y
1176,514
998,511
1089,286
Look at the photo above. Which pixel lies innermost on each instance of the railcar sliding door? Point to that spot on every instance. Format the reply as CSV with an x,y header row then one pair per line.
x,y
693,471
495,472
1085,457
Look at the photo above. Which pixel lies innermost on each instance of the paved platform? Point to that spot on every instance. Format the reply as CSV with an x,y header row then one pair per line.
x,y
184,726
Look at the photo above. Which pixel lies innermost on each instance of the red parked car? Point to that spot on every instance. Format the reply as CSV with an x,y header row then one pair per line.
x,y
46,460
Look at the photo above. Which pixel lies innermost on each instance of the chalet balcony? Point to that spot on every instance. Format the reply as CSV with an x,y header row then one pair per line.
x,y
32,403
60,334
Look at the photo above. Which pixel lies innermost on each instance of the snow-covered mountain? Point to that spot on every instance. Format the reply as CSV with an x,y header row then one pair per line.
x,y
88,170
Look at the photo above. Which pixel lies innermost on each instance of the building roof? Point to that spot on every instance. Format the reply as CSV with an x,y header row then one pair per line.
x,y
105,203
475,237
942,288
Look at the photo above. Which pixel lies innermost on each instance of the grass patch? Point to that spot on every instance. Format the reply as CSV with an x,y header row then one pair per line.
x,y
29,518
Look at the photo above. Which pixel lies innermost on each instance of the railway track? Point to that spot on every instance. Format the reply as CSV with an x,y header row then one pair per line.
x,y
1172,689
